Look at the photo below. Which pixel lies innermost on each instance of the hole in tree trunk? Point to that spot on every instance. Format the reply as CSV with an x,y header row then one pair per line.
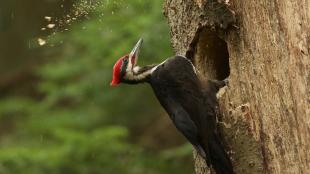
x,y
211,56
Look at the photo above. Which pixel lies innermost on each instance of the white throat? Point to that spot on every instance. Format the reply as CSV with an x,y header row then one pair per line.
x,y
137,74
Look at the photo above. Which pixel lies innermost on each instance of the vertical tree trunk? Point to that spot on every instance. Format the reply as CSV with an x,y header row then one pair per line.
x,y
263,46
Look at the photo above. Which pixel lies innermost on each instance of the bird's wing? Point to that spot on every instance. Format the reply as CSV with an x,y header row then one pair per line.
x,y
183,123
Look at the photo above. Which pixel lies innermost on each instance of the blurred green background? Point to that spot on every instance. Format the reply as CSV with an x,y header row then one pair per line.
x,y
58,113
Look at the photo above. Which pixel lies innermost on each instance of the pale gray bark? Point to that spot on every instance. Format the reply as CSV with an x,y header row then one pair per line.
x,y
266,108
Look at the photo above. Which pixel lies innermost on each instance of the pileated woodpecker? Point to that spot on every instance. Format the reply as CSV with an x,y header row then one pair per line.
x,y
189,100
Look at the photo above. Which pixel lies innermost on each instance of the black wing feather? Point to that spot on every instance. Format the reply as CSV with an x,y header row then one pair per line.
x,y
191,107
183,123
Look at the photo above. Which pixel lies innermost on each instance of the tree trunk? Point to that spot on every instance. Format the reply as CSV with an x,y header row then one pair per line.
x,y
263,47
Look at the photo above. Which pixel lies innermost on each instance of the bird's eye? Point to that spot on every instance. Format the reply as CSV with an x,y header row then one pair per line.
x,y
124,66
125,63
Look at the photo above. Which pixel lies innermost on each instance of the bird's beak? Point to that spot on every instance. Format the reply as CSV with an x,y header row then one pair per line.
x,y
133,56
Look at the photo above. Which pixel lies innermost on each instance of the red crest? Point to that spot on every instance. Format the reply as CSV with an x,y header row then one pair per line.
x,y
117,72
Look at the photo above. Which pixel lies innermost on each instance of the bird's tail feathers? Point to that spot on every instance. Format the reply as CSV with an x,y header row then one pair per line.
x,y
220,160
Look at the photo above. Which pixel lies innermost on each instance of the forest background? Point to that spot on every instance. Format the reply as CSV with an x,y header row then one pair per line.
x,y
58,113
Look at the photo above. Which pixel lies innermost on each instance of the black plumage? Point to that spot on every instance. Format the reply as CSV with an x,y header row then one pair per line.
x,y
191,103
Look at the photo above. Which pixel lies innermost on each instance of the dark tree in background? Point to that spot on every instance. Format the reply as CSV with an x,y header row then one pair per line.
x,y
264,50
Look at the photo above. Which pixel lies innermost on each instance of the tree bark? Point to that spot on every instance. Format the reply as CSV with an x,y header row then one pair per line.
x,y
263,47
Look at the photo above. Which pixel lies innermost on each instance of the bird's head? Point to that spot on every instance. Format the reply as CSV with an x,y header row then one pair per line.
x,y
124,66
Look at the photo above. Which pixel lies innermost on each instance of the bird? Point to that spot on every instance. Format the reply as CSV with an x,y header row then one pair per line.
x,y
188,98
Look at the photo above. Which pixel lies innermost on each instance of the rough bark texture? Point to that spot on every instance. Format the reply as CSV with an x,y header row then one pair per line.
x,y
264,50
